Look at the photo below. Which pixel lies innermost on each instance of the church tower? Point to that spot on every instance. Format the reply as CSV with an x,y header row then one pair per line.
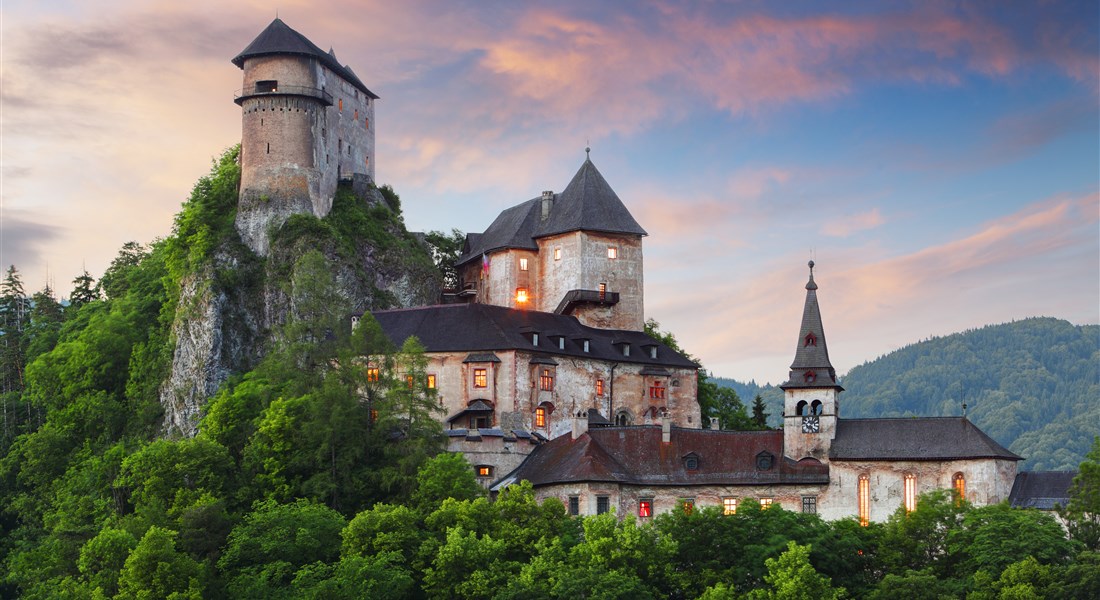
x,y
307,123
811,392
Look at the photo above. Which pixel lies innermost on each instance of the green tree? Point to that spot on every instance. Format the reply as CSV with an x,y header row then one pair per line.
x,y
103,557
919,539
992,537
446,249
791,576
155,569
1082,514
116,279
759,417
446,475
44,324
85,291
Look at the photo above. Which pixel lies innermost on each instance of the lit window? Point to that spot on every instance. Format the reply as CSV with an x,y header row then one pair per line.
x,y
409,381
373,415
688,504
809,504
431,382
372,374
341,104
910,490
557,253
540,417
766,503
546,381
521,295
864,500
645,508
729,506
484,471
657,390
603,504
481,378
523,264
574,505
612,252
599,387
603,291
959,484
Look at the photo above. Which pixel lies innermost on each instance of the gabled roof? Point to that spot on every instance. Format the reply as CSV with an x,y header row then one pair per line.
x,y
588,203
811,353
1041,489
925,438
637,456
480,328
279,38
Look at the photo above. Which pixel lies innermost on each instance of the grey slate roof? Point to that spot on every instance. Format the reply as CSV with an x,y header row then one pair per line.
x,y
1041,489
279,38
588,203
480,328
924,438
811,352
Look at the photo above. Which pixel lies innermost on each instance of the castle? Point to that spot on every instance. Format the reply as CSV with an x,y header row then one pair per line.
x,y
540,361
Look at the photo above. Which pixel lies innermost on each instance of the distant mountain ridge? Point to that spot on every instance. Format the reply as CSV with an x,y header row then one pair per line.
x,y
1033,385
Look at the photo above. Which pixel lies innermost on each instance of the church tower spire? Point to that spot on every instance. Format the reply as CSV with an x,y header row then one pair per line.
x,y
810,403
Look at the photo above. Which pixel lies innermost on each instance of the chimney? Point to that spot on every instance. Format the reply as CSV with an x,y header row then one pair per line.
x,y
666,430
580,426
715,423
547,203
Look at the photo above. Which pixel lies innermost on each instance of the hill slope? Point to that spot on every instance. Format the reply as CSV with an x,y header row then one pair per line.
x,y
1033,385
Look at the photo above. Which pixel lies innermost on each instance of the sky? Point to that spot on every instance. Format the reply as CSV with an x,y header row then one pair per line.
x,y
939,161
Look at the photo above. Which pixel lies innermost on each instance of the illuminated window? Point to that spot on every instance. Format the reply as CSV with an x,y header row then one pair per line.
x,y
431,382
729,506
766,503
864,500
574,505
546,381
540,417
341,104
409,381
557,253
603,291
481,378
599,387
688,504
612,252
521,295
523,264
484,471
657,390
373,415
910,489
603,504
645,507
809,504
959,484
372,374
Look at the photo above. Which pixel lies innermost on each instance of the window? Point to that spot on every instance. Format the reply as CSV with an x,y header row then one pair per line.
x,y
479,422
540,417
688,505
561,342
910,492
809,376
366,122
523,264
372,374
267,85
373,415
691,463
599,387
409,381
811,339
612,252
657,390
574,505
809,504
557,253
764,461
603,291
729,506
864,500
603,504
484,471
357,114
585,344
766,503
622,418
521,295
959,484
340,103
546,381
815,407
481,378
431,382
645,507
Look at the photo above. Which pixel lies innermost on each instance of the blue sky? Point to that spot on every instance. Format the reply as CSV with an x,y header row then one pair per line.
x,y
939,160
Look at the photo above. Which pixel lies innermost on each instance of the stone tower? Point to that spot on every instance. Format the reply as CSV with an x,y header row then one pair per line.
x,y
307,122
811,392
577,252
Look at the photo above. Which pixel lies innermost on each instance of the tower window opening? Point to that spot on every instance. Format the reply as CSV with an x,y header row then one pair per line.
x,y
546,381
815,407
557,253
603,291
267,86
612,252
521,296
269,147
811,339
800,408
523,264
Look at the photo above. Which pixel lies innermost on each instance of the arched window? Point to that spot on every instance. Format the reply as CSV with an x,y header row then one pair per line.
x,y
815,407
800,408
623,418
958,483
864,500
909,486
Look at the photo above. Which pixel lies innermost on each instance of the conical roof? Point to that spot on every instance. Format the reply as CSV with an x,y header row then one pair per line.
x,y
811,367
279,38
589,203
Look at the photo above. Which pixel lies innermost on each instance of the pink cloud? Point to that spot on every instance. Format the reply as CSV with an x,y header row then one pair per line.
x,y
847,225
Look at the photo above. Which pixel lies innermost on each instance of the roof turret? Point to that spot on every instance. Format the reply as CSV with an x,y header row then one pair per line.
x,y
811,367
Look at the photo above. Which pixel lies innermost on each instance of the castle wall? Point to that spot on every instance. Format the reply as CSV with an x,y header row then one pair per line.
x,y
579,260
624,498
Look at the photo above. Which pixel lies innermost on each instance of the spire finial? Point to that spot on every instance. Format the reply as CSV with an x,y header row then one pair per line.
x,y
810,285
587,151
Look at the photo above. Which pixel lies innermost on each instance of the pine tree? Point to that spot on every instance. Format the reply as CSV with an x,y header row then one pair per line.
x,y
759,417
85,290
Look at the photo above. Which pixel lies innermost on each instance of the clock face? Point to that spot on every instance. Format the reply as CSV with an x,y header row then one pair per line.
x,y
810,424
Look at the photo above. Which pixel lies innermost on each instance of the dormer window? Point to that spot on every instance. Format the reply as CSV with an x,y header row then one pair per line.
x,y
764,461
585,345
653,351
691,461
534,338
809,376
811,339
561,343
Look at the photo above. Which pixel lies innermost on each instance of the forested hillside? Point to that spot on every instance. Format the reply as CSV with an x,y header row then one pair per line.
x,y
1033,385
